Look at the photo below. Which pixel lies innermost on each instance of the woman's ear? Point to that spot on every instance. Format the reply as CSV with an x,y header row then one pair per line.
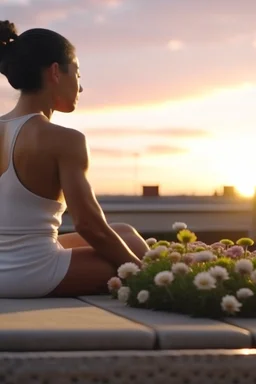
x,y
53,73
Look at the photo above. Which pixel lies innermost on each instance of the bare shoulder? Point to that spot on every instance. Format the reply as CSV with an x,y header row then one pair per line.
x,y
62,132
68,145
64,138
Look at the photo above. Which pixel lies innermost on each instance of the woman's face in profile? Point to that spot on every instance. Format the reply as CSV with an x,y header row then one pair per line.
x,y
69,88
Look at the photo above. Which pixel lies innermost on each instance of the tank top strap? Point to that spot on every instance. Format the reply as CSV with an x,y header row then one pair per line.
x,y
20,122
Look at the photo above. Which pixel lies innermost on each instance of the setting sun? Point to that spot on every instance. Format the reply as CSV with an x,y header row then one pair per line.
x,y
245,190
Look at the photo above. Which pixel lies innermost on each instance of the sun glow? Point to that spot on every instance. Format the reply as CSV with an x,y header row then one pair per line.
x,y
235,162
245,190
226,156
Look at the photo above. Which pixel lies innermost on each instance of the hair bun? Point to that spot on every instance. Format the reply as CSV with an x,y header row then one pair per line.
x,y
8,32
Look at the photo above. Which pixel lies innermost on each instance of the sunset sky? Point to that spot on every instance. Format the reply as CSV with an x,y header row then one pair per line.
x,y
169,89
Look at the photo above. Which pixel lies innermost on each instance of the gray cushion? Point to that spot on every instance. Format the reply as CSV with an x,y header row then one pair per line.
x,y
176,331
66,324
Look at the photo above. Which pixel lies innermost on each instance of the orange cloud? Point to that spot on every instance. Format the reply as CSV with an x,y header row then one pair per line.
x,y
106,152
148,150
160,132
165,150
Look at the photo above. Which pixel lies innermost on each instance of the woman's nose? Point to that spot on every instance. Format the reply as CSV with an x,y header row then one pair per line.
x,y
81,89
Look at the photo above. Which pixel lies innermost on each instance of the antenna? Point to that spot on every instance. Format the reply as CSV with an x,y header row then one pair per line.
x,y
136,156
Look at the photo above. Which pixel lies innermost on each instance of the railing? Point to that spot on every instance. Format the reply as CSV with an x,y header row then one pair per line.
x,y
147,217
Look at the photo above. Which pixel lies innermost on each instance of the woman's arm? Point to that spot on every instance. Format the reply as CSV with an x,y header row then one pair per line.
x,y
87,215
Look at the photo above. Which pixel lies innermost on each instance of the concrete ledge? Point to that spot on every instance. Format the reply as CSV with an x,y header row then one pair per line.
x,y
67,324
176,331
248,324
158,367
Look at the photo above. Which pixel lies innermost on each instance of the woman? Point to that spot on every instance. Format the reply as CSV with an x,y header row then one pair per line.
x,y
42,171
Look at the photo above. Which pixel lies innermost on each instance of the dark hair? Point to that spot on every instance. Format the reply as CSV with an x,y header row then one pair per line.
x,y
23,58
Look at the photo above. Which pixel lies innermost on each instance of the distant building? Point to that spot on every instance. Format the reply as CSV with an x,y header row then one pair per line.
x,y
150,190
229,191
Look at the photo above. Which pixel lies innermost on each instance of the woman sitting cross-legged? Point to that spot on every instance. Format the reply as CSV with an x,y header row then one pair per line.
x,y
43,168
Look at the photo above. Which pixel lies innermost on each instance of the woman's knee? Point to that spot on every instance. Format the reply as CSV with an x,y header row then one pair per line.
x,y
123,228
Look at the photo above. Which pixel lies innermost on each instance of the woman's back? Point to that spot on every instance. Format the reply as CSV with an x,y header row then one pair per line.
x,y
33,160
28,222
25,171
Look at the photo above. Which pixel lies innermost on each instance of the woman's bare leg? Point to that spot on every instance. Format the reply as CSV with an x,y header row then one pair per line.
x,y
88,273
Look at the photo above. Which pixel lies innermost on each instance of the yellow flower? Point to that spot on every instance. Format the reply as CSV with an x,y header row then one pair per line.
x,y
245,242
186,236
177,247
226,242
160,243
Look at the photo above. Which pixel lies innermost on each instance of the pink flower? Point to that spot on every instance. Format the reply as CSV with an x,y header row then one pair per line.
x,y
199,243
188,258
114,284
217,245
196,244
235,252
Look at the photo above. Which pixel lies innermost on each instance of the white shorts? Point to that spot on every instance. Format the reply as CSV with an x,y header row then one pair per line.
x,y
31,265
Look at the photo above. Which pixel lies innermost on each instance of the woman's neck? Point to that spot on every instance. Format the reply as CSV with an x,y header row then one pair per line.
x,y
33,103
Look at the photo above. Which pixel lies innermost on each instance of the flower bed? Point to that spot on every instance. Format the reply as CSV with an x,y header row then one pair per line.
x,y
191,277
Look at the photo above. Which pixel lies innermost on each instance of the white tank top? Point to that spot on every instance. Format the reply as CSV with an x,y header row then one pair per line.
x,y
32,261
21,211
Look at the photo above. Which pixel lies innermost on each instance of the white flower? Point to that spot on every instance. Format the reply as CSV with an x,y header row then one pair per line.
x,y
253,276
178,226
180,268
230,304
174,256
219,273
163,278
244,266
244,293
204,256
143,296
114,284
127,269
151,254
123,294
160,249
205,281
151,241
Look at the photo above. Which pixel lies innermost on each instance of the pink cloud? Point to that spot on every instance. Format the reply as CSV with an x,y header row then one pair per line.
x,y
178,21
41,12
124,61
